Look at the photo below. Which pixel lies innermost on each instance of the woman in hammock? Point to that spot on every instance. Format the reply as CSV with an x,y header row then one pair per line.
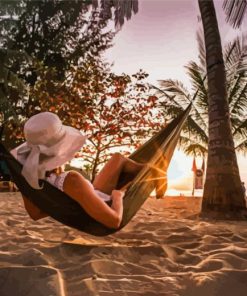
x,y
49,145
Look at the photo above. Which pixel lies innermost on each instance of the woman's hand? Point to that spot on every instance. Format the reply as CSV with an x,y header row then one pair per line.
x,y
117,194
117,204
78,188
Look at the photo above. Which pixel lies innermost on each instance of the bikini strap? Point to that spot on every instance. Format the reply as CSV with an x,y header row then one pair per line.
x,y
60,180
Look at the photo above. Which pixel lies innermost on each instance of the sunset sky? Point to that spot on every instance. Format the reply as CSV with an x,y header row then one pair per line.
x,y
161,39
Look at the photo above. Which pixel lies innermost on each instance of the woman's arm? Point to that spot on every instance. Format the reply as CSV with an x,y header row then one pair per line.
x,y
117,203
78,188
34,212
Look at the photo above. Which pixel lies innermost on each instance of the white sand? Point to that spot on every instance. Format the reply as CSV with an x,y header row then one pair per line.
x,y
161,252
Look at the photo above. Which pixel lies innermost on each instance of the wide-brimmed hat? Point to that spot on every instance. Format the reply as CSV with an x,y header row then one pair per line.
x,y
49,144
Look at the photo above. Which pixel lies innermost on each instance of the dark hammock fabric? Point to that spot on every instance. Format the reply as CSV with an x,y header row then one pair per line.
x,y
62,208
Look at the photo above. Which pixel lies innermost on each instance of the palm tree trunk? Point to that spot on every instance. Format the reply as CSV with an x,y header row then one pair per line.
x,y
222,192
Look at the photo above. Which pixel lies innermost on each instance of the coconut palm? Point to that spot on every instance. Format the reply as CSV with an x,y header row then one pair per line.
x,y
223,190
174,96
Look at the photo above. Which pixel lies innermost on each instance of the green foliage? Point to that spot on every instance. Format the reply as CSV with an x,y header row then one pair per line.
x,y
45,44
62,72
116,112
58,33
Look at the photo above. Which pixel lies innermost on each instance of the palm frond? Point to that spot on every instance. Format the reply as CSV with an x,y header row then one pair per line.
x,y
232,53
239,102
122,10
243,64
176,88
200,97
196,149
235,57
242,147
170,110
196,76
190,147
235,10
164,94
196,123
201,47
195,131
105,6
199,133
233,89
241,130
199,116
236,121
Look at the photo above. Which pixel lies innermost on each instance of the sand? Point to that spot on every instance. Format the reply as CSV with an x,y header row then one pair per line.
x,y
161,252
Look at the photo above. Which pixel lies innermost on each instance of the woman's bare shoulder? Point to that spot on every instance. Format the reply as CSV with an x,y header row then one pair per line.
x,y
75,180
74,174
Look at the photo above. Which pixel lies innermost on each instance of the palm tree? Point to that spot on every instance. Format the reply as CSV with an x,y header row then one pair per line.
x,y
223,191
174,96
235,11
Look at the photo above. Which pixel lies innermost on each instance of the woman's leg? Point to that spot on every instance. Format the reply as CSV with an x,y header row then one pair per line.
x,y
107,178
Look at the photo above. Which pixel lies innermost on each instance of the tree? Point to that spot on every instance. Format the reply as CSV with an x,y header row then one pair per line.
x,y
57,36
58,33
223,191
42,30
120,119
69,99
194,137
116,112
223,187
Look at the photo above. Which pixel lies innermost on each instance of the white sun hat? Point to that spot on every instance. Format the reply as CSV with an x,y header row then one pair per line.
x,y
49,144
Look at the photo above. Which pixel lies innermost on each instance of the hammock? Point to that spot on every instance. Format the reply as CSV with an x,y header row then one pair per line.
x,y
62,208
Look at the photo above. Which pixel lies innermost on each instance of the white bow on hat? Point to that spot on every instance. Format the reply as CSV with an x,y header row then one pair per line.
x,y
49,144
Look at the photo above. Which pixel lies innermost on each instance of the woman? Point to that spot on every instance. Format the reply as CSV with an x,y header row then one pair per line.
x,y
50,144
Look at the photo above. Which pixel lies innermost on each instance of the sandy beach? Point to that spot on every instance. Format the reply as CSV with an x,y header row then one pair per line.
x,y
161,252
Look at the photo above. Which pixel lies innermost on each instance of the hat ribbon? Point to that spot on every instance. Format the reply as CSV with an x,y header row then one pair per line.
x,y
31,169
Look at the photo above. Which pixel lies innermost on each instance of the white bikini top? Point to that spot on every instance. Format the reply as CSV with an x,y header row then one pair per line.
x,y
58,180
